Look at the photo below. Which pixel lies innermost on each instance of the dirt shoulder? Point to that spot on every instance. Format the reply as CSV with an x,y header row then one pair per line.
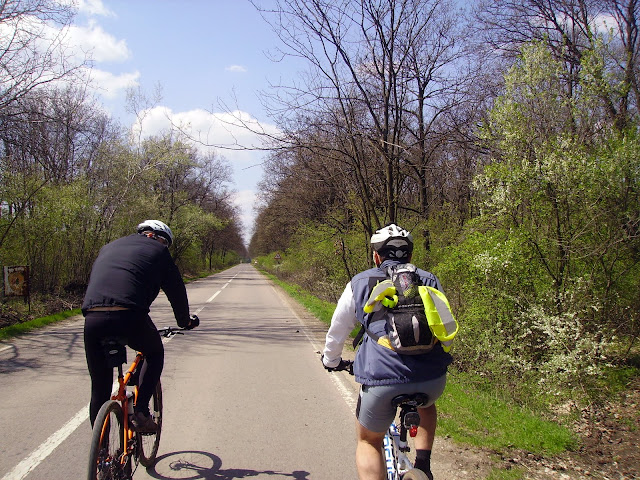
x,y
610,439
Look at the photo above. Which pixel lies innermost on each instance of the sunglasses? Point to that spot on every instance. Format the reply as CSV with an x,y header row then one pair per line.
x,y
157,237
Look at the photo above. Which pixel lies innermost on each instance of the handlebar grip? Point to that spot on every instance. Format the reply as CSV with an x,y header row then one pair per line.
x,y
346,365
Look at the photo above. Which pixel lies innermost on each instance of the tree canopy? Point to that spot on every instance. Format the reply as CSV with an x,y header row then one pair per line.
x,y
71,179
504,136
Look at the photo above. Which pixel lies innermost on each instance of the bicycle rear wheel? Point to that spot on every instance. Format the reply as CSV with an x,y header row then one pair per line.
x,y
107,444
415,474
148,442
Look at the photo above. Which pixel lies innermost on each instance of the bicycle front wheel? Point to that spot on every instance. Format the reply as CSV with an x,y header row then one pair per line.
x,y
415,474
107,444
148,442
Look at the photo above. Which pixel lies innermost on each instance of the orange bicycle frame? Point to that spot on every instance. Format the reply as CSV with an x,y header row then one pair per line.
x,y
121,396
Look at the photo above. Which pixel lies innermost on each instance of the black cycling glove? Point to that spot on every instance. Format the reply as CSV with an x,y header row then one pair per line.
x,y
194,321
343,365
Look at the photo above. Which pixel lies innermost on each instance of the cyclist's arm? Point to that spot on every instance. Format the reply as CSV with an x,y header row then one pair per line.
x,y
174,288
342,323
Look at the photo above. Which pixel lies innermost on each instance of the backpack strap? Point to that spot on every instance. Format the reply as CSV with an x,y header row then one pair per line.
x,y
358,338
376,338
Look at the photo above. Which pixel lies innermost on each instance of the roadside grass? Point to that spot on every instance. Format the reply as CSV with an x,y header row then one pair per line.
x,y
469,415
321,309
19,328
513,474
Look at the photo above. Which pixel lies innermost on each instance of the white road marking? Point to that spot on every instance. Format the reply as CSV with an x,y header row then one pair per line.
x,y
345,389
38,455
215,295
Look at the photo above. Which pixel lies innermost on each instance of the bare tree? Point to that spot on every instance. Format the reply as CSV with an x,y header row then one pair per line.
x,y
358,98
48,137
33,48
573,29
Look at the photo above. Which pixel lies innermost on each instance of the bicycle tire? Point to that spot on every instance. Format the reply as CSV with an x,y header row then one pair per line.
x,y
415,474
148,442
107,444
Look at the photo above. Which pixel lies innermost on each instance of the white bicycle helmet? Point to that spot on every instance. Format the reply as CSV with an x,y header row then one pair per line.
x,y
157,227
392,242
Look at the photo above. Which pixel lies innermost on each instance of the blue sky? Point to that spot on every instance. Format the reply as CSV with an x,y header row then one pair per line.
x,y
202,54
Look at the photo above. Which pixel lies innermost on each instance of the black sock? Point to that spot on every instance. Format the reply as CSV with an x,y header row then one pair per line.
x,y
423,462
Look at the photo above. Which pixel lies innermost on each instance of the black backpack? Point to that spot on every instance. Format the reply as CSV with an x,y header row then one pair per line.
x,y
397,302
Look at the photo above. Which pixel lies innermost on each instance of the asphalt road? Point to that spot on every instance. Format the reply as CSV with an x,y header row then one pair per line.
x,y
245,395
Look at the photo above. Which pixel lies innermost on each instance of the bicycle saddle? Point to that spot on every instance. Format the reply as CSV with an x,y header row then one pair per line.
x,y
412,399
114,351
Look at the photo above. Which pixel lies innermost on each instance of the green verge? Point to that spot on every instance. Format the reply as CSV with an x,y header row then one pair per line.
x,y
469,415
476,417
512,474
321,309
19,328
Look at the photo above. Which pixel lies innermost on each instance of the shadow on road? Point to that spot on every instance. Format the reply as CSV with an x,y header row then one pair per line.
x,y
58,348
207,466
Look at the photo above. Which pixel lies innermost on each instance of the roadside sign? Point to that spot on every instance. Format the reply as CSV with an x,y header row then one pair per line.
x,y
16,281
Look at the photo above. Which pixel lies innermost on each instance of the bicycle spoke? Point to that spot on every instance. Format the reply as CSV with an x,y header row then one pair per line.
x,y
148,443
106,454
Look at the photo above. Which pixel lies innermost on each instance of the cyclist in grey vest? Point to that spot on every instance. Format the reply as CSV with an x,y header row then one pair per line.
x,y
382,372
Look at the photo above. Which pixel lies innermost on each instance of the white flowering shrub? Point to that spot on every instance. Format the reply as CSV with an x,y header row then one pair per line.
x,y
562,350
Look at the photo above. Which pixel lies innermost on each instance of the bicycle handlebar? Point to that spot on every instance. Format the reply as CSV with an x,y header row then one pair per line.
x,y
168,332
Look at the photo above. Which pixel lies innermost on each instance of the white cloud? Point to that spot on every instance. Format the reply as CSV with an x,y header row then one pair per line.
x,y
77,45
94,7
89,7
236,68
111,86
98,44
233,133
222,133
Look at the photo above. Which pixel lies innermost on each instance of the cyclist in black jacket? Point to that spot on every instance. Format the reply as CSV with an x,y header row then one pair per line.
x,y
125,279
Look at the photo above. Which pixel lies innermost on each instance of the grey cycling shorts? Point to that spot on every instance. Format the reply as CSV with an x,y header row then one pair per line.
x,y
374,410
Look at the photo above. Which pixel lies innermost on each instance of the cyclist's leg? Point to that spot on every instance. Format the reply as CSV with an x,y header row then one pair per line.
x,y
369,458
144,337
423,441
427,428
96,326
148,443
374,414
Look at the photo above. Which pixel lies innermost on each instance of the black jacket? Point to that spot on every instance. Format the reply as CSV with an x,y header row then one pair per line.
x,y
130,271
